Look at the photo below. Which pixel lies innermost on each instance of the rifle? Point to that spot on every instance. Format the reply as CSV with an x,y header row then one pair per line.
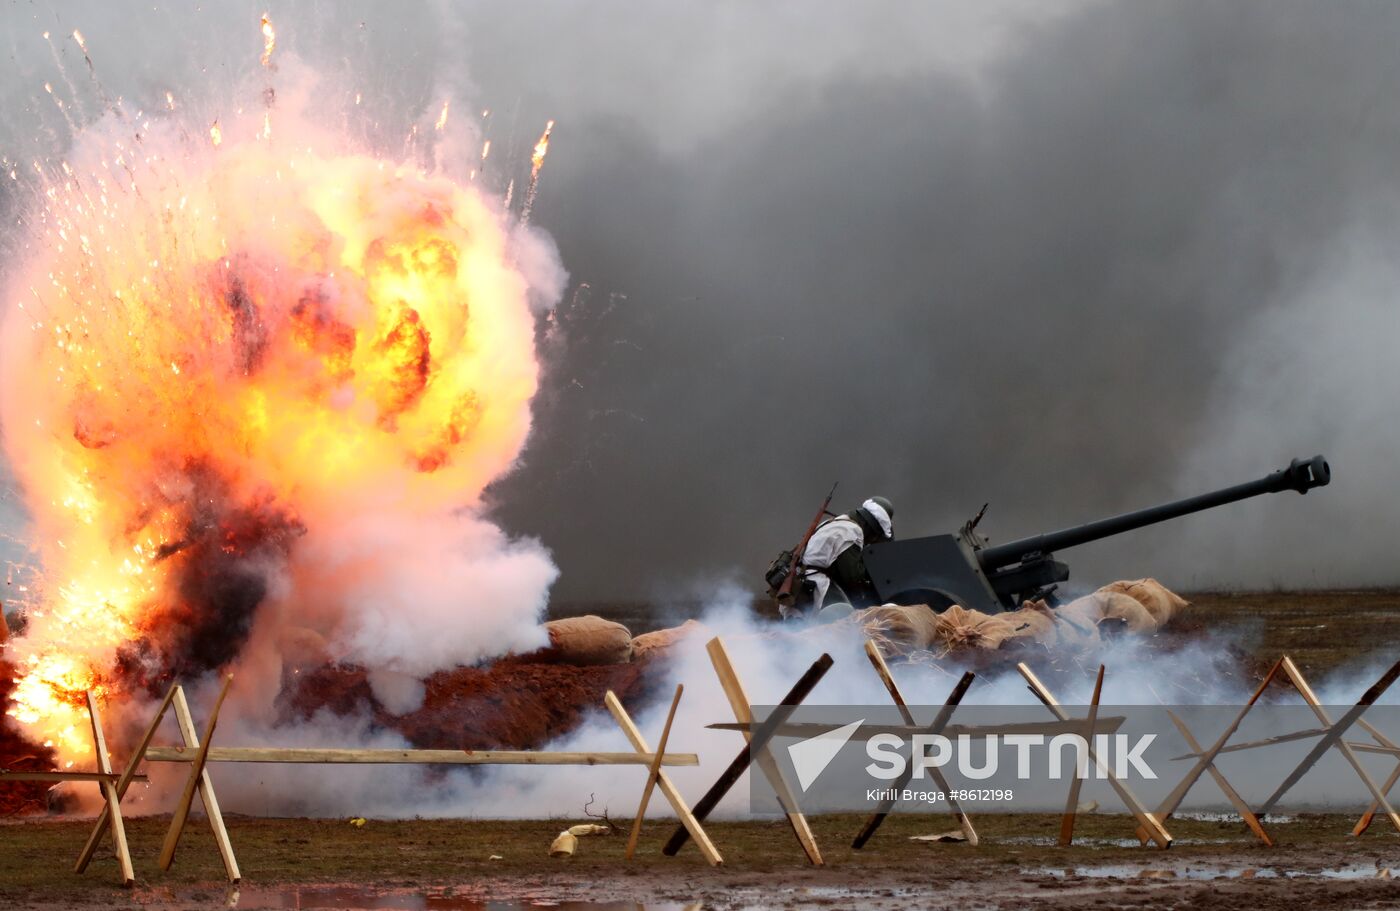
x,y
784,594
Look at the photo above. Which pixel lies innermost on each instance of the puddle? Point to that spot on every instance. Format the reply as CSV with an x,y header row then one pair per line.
x,y
1273,819
1081,842
353,898
1127,871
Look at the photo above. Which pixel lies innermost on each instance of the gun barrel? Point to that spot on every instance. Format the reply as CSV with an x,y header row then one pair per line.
x,y
1301,475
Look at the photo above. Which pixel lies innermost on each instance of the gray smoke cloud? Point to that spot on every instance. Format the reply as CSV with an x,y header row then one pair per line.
x,y
1132,252
1070,263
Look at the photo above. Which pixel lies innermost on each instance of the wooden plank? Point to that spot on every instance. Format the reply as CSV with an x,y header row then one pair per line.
x,y
330,756
60,776
882,670
109,791
740,764
1207,760
192,783
1230,793
133,763
1076,783
801,730
1334,735
882,811
1361,746
663,781
767,763
1305,734
1144,817
652,773
185,722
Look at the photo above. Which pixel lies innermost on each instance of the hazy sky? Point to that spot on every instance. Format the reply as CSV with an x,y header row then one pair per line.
x,y
948,253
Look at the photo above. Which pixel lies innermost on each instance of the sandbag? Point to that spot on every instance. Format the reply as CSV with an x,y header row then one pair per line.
x,y
303,647
1034,621
1159,601
587,640
959,628
564,846
1121,609
1077,623
908,628
648,644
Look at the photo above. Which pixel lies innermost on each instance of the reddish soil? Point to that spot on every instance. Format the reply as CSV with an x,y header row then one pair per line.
x,y
515,703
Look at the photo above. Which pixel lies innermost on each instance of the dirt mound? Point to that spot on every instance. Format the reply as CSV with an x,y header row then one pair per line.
x,y
512,704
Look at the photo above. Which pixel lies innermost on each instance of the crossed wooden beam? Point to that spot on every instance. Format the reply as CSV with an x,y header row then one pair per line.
x,y
107,782
110,817
1205,762
1147,821
1331,735
872,651
757,738
198,752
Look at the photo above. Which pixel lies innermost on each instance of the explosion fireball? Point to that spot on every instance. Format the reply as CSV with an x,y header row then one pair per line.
x,y
253,385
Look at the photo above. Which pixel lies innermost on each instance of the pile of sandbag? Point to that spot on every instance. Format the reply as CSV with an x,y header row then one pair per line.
x,y
592,640
1141,606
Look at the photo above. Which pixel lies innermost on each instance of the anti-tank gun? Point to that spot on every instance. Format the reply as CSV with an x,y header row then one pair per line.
x,y
966,569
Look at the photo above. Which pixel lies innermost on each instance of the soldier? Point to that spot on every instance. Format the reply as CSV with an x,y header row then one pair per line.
x,y
832,571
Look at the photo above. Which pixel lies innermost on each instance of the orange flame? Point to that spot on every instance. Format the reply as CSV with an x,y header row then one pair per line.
x,y
262,336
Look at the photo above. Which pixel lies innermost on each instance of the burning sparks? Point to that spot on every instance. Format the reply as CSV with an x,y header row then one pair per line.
x,y
541,150
269,41
442,118
216,135
536,162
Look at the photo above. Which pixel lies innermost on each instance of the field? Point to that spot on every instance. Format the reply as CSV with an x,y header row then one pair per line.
x,y
449,864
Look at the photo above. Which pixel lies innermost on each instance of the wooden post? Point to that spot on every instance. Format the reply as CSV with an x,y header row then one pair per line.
x,y
1333,737
129,775
109,791
193,782
743,713
1206,762
1240,806
882,811
1076,783
761,736
1364,822
1146,819
882,670
652,773
190,737
663,781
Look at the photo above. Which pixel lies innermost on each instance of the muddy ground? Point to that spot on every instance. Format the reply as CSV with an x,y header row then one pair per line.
x,y
448,864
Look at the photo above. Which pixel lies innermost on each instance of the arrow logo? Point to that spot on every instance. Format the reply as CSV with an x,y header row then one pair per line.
x,y
810,757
